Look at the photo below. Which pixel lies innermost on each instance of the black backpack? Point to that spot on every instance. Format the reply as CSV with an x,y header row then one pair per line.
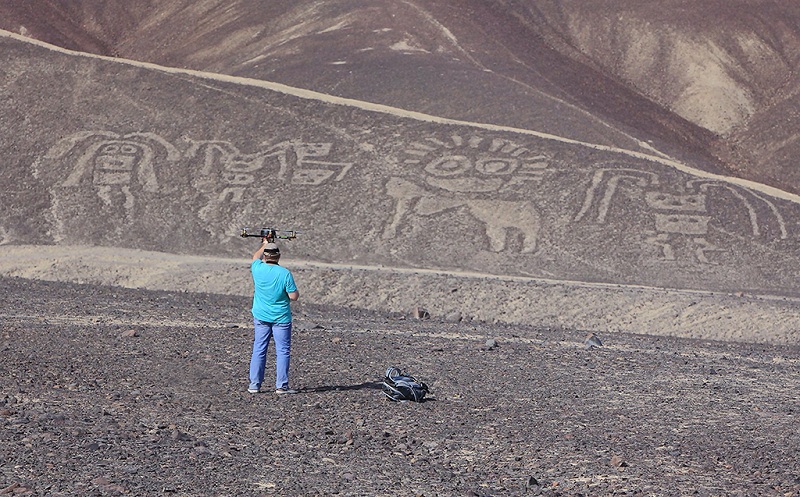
x,y
401,387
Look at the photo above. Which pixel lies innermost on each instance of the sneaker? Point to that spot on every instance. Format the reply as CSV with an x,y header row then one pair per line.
x,y
254,390
284,391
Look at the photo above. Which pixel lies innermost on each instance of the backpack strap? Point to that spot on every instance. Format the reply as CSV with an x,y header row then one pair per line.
x,y
392,371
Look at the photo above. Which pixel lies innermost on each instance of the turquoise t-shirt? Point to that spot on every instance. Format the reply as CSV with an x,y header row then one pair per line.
x,y
272,285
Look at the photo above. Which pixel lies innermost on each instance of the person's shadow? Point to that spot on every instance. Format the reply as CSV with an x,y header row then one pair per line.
x,y
367,385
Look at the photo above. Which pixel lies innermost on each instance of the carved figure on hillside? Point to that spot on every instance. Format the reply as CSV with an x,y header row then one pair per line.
x,y
679,217
227,175
116,161
470,174
117,167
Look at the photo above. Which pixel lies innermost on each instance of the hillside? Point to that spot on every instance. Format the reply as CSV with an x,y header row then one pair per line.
x,y
713,80
105,151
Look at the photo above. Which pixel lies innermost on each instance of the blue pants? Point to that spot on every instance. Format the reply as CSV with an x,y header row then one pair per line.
x,y
264,332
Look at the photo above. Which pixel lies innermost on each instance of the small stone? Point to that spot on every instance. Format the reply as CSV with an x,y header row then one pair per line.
x,y
491,344
107,486
420,313
202,450
10,489
129,334
592,341
180,436
453,317
618,462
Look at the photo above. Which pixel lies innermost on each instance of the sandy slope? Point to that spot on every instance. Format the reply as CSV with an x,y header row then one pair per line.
x,y
473,296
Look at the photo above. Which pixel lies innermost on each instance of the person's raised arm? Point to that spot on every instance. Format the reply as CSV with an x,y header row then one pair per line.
x,y
260,250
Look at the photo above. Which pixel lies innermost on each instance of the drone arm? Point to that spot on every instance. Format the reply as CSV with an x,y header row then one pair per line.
x,y
271,234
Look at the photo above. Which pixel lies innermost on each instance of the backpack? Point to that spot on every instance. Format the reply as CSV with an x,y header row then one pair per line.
x,y
401,387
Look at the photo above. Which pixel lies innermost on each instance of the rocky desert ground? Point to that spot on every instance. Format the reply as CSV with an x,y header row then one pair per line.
x,y
113,391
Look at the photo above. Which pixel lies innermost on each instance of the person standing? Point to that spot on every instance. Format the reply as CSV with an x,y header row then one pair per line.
x,y
273,290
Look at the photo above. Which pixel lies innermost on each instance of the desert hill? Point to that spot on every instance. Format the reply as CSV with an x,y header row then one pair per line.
x,y
112,153
531,144
715,80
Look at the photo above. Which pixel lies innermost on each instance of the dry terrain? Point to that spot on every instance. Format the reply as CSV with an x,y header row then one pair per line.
x,y
716,80
480,185
112,391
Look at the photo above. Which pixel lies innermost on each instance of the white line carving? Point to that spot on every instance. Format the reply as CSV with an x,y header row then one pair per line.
x,y
675,214
117,163
458,172
226,174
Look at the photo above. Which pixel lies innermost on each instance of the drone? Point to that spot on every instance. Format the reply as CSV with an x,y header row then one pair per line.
x,y
271,234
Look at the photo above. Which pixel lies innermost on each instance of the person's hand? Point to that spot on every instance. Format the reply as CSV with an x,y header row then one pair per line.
x,y
264,240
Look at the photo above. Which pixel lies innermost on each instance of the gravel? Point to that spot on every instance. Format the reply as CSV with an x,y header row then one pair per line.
x,y
113,391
